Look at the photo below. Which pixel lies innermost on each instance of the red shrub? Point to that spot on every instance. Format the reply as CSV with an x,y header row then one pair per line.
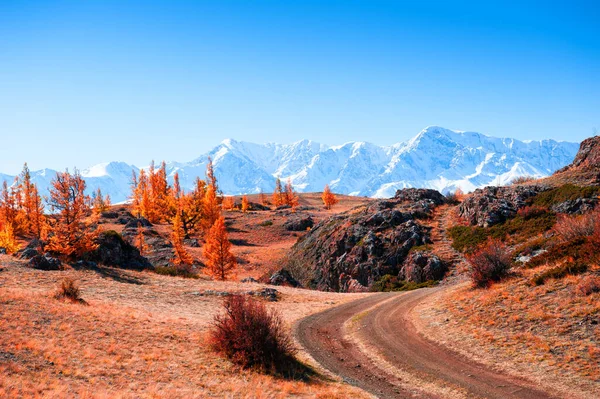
x,y
490,262
532,211
569,228
251,336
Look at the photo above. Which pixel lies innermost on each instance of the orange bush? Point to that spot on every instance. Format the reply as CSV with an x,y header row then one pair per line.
x,y
490,262
251,336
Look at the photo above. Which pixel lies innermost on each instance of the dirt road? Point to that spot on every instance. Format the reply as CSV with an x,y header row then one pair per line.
x,y
395,360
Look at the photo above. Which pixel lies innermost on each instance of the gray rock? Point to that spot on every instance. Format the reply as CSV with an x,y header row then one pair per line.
x,y
299,224
283,277
422,266
45,262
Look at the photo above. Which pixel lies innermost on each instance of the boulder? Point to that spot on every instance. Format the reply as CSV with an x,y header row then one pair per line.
x,y
270,294
283,277
299,223
28,253
45,262
422,266
112,250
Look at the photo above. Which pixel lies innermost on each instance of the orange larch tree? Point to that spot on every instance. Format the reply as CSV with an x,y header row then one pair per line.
x,y
278,195
100,203
160,194
211,179
7,238
191,209
228,203
220,262
210,208
140,241
71,234
245,203
329,198
262,198
182,257
291,198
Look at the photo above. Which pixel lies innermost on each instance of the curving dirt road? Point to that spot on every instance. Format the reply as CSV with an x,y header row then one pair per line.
x,y
389,358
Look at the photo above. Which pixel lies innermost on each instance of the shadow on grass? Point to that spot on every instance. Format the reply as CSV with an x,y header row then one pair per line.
x,y
115,274
241,242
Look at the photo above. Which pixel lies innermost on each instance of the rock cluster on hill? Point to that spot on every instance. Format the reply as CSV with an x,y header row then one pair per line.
x,y
488,206
352,250
585,168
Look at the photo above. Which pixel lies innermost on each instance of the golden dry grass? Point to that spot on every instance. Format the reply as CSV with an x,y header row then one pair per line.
x,y
548,333
142,335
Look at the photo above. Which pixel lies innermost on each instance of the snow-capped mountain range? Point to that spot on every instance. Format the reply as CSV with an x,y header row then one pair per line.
x,y
436,158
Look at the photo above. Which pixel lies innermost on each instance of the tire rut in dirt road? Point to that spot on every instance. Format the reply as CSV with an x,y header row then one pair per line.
x,y
385,325
322,336
390,329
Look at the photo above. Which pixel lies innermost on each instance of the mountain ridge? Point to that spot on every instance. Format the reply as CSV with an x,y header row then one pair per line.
x,y
436,157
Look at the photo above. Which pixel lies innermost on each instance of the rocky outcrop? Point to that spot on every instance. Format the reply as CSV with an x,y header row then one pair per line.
x,y
113,250
350,251
585,168
422,266
283,277
45,262
299,223
492,205
576,206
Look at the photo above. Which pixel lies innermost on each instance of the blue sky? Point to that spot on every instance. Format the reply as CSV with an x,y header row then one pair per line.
x,y
83,82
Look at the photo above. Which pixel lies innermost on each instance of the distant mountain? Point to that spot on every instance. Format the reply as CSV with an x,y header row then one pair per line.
x,y
436,158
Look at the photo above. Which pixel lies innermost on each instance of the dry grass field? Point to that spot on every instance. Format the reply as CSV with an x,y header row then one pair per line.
x,y
143,335
140,335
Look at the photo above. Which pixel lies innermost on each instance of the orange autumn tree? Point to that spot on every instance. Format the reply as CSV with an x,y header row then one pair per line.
x,y
245,203
278,195
8,240
228,203
182,258
210,208
262,198
100,203
291,198
191,208
71,234
10,212
211,179
329,198
161,194
140,241
220,262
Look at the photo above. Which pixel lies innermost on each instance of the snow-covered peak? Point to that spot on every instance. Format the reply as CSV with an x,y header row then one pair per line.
x,y
436,157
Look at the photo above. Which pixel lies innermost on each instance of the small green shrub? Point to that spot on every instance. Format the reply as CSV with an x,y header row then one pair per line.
x,y
266,223
559,272
389,283
523,226
567,192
